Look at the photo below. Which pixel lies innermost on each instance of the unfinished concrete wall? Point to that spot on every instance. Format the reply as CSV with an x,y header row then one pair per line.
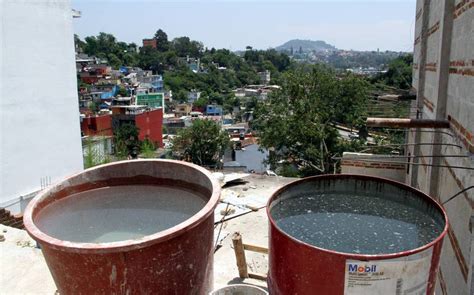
x,y
444,83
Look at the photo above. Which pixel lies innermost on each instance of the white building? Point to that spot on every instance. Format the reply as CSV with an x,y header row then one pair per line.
x,y
40,140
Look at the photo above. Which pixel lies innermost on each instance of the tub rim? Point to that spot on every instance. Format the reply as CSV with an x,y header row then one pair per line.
x,y
362,257
126,245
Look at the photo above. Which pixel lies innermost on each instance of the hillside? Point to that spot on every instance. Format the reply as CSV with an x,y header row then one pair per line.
x,y
306,46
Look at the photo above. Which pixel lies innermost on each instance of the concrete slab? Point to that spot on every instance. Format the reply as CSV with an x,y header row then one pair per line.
x,y
254,230
23,269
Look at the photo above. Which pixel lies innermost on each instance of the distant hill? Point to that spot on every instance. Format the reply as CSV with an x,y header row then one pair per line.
x,y
306,45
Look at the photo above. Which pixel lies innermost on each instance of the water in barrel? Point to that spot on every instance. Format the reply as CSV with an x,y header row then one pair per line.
x,y
118,213
358,223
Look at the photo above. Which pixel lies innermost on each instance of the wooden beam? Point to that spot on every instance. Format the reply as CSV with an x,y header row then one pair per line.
x,y
255,248
240,255
258,276
407,123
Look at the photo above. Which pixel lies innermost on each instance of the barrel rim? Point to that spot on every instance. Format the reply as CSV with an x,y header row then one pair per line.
x,y
126,245
362,257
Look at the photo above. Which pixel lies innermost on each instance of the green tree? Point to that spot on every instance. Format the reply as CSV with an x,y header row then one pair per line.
x,y
183,46
352,102
151,59
148,149
162,43
94,107
297,122
126,141
203,143
399,73
201,102
122,92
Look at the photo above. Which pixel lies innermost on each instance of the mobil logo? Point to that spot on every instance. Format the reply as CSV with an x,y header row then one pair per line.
x,y
357,268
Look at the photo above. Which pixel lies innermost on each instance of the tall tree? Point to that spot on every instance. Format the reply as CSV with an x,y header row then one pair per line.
x,y
399,73
126,141
162,43
187,47
297,122
203,143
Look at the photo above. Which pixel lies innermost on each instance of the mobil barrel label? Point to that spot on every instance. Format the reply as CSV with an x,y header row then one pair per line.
x,y
406,275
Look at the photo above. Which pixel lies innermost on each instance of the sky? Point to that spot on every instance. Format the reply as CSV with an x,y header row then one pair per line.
x,y
357,25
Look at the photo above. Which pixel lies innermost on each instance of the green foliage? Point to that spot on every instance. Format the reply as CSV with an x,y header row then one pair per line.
x,y
106,46
201,102
93,157
126,141
297,121
122,92
168,59
352,101
203,143
399,73
162,43
94,107
148,149
183,46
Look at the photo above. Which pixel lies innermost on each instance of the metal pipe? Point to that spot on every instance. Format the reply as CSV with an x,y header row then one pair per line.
x,y
407,123
458,194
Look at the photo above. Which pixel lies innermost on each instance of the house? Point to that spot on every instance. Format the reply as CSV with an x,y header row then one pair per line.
x,y
97,126
213,110
149,122
264,77
151,100
194,64
182,110
173,125
155,82
193,95
247,156
168,95
149,43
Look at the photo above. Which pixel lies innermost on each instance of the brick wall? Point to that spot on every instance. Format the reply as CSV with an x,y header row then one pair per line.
x,y
391,169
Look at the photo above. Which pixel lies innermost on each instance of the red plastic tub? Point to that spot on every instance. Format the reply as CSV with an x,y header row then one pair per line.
x,y
296,267
177,260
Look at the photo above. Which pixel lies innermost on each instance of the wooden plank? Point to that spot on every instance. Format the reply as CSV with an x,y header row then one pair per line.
x,y
255,248
240,255
258,276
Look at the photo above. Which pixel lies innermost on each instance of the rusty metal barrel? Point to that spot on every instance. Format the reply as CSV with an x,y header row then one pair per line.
x,y
131,227
353,234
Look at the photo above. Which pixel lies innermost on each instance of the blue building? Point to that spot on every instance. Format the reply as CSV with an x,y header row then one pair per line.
x,y
214,110
156,82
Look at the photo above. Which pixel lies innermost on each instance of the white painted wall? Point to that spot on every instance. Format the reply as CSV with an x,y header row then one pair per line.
x,y
39,114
